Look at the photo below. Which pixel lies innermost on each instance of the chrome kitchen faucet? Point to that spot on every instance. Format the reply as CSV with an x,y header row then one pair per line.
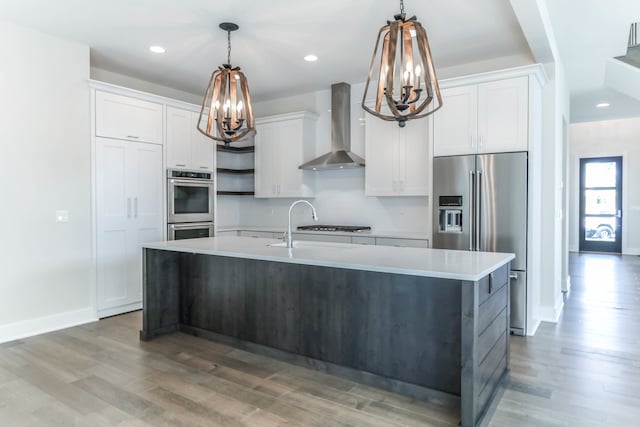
x,y
288,235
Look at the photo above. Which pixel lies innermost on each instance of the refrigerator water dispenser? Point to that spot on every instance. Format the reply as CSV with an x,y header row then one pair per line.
x,y
451,220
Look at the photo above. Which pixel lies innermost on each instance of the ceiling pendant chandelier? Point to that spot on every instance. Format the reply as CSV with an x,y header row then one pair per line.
x,y
406,77
226,113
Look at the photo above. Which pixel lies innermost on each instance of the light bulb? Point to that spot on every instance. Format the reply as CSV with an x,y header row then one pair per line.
x,y
217,105
418,71
227,104
239,108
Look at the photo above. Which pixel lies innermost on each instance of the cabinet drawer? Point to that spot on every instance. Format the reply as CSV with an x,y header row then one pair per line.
x,y
363,240
408,243
121,117
260,234
226,233
321,238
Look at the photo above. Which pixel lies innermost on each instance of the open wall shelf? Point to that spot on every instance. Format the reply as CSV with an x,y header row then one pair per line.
x,y
236,193
235,171
229,149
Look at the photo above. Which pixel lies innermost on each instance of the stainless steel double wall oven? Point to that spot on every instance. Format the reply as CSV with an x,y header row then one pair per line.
x,y
190,204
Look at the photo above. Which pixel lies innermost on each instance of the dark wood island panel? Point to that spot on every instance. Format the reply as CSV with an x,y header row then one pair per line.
x,y
435,339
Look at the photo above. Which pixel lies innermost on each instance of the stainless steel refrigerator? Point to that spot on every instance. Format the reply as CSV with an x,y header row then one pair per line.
x,y
480,204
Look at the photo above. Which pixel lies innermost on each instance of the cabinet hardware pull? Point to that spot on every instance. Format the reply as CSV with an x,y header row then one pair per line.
x,y
181,165
133,136
472,187
135,207
204,167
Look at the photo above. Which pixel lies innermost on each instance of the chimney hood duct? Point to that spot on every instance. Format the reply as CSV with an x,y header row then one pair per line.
x,y
340,156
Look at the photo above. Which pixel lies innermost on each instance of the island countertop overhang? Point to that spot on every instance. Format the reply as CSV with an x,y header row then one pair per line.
x,y
437,263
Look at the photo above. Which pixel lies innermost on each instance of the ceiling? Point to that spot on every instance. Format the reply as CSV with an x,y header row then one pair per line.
x,y
272,40
589,33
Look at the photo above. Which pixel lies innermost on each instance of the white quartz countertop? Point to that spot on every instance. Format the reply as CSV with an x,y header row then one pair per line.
x,y
373,233
440,263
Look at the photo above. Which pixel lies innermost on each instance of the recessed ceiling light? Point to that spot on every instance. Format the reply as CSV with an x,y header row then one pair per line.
x,y
310,58
603,105
157,49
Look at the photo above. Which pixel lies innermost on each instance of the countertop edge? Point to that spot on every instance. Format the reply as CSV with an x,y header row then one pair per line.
x,y
323,263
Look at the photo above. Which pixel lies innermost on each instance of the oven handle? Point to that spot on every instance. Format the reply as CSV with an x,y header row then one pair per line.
x,y
190,225
191,182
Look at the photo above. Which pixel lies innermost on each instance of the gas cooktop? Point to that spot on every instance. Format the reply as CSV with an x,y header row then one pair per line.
x,y
347,228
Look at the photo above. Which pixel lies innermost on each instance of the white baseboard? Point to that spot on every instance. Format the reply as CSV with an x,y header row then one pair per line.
x,y
532,329
552,314
41,325
108,312
631,251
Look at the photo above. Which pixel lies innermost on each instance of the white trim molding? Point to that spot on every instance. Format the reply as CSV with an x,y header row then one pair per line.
x,y
28,328
552,314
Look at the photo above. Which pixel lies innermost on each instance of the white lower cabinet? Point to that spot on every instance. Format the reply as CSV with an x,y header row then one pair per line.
x,y
398,159
321,238
405,243
129,204
257,234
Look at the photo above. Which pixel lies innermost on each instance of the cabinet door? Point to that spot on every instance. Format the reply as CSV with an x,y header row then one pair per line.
x,y
455,125
122,117
129,212
405,243
145,171
178,138
265,148
414,160
202,148
288,158
503,112
114,205
381,139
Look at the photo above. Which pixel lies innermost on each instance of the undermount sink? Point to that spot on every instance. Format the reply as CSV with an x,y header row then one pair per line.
x,y
306,244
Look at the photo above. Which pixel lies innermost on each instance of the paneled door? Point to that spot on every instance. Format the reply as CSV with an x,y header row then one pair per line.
x,y
601,204
129,204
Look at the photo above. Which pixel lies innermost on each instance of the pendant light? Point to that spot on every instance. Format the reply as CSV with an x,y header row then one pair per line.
x,y
226,113
406,77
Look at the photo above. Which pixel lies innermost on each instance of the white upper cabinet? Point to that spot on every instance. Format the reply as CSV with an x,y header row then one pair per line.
x,y
455,125
490,117
121,117
178,138
202,147
398,159
503,112
187,148
282,143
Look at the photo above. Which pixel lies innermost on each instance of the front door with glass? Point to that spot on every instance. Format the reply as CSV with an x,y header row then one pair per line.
x,y
601,204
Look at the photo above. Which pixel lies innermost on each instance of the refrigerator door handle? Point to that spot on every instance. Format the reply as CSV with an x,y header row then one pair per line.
x,y
472,204
478,201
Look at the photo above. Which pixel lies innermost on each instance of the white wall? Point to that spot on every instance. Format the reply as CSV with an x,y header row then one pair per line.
x,y
602,139
44,134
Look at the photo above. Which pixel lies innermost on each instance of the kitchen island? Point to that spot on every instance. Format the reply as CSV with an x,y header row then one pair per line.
x,y
431,324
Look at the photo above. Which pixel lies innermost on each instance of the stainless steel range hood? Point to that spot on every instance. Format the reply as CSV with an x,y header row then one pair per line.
x,y
340,156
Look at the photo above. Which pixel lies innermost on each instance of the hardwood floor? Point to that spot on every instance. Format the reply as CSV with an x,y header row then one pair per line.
x,y
584,371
